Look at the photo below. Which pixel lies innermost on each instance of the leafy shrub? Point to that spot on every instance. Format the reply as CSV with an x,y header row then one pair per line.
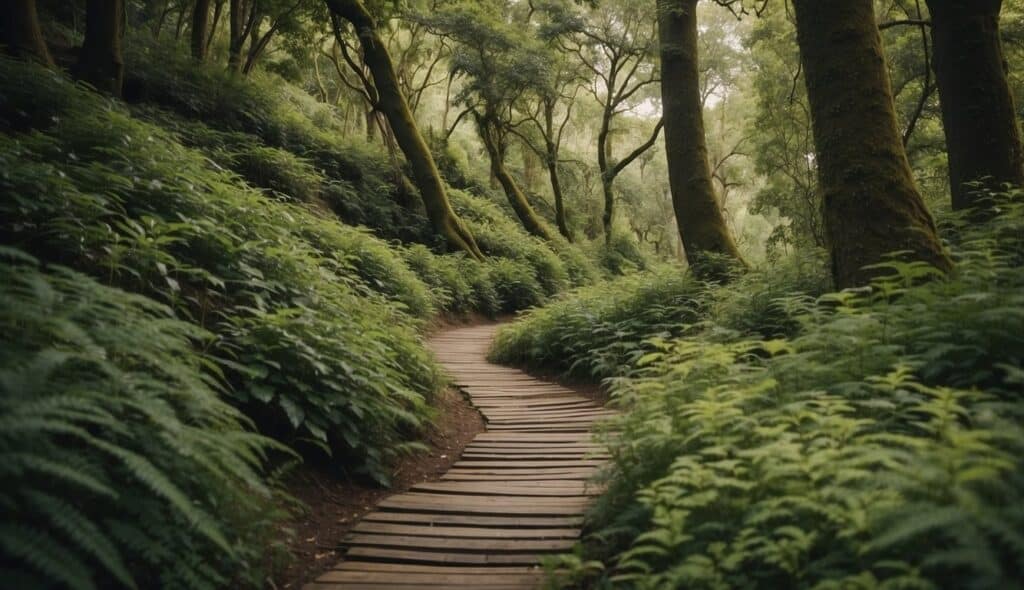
x,y
360,178
279,171
121,466
445,276
598,331
621,255
319,356
515,284
878,446
553,264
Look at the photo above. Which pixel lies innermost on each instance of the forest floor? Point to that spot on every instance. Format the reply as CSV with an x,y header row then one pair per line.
x,y
334,505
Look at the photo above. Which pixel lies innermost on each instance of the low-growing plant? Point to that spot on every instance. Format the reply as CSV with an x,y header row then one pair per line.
x,y
597,332
314,352
121,465
878,445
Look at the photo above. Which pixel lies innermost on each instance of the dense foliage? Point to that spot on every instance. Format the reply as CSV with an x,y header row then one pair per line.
x,y
872,438
121,464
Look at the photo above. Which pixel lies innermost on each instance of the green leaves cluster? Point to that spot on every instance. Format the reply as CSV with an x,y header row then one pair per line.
x,y
315,353
121,465
874,440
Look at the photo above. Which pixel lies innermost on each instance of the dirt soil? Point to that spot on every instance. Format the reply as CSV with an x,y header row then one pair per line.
x,y
336,505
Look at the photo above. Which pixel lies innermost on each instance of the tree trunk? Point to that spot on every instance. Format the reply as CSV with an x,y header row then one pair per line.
x,y
21,32
871,205
604,150
100,62
982,136
698,216
496,153
556,191
200,25
396,109
218,8
239,17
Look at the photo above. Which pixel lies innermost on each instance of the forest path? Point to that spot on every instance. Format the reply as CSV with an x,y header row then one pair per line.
x,y
517,493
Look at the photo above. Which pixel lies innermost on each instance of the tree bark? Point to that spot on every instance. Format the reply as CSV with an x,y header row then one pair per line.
x,y
698,215
489,135
100,62
240,18
556,191
982,135
872,207
218,8
392,103
200,26
21,32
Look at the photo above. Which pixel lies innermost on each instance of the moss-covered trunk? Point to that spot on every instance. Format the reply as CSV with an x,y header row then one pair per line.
x,y
236,39
982,136
101,61
871,205
493,143
556,191
200,26
394,106
698,215
604,150
21,33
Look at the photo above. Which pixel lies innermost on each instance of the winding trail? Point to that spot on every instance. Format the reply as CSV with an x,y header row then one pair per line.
x,y
517,493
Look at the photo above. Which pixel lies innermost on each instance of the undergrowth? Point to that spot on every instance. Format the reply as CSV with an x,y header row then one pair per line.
x,y
121,466
868,438
314,353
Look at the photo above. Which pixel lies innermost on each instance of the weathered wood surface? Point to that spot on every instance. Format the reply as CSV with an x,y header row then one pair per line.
x,y
517,493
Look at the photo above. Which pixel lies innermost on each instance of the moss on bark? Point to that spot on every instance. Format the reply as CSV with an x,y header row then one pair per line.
x,y
698,215
101,61
21,33
392,103
871,205
982,135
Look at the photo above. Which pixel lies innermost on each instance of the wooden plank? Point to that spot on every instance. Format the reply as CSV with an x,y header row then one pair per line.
x,y
461,531
448,558
567,489
374,566
459,543
451,579
476,520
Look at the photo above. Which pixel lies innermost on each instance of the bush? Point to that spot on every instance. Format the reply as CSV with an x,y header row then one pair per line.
x,y
279,171
360,179
879,445
121,467
598,331
319,357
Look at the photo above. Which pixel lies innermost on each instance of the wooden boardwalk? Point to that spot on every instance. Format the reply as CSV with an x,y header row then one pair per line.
x,y
516,494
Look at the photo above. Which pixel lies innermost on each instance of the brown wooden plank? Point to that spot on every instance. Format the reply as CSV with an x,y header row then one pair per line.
x,y
459,543
460,531
374,566
423,578
476,520
507,489
448,558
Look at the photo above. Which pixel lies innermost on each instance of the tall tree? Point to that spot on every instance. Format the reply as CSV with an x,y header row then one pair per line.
x,y
701,223
200,26
500,66
101,61
392,103
982,134
871,205
548,111
242,20
21,32
617,46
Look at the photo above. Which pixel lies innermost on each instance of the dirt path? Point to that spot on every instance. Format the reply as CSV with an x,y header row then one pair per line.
x,y
517,493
